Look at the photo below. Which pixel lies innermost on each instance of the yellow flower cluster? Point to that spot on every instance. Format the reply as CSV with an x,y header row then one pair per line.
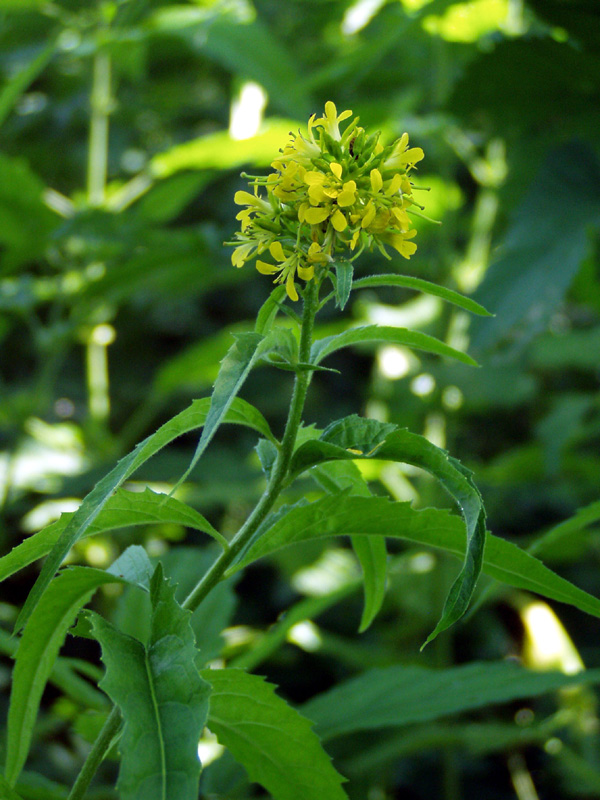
x,y
331,193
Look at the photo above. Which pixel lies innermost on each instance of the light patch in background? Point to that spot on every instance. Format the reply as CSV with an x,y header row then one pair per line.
x,y
548,645
393,362
359,14
468,22
422,384
306,635
247,111
334,569
47,512
209,749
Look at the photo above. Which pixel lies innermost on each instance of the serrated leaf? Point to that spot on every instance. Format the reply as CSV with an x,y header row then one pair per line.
x,y
371,552
408,282
401,695
352,437
122,510
343,285
235,367
239,412
367,334
268,310
133,565
163,700
379,516
274,743
43,636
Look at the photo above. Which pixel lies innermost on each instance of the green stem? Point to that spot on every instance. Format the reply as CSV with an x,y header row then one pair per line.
x,y
280,468
96,754
98,141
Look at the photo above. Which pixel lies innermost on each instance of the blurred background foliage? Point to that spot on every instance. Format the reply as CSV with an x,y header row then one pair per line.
x,y
124,127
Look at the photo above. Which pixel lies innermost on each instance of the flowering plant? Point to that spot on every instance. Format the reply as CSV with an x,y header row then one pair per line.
x,y
332,195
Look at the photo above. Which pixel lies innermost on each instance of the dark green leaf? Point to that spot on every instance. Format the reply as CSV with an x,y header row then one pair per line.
x,y
348,516
343,285
273,742
239,412
407,282
163,700
401,695
381,333
38,649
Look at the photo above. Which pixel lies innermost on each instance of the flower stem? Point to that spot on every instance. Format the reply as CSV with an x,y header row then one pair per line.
x,y
96,754
280,468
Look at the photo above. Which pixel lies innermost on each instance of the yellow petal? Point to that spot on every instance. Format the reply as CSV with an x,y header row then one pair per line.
x,y
306,273
344,115
290,288
395,184
276,251
413,155
245,198
264,268
346,198
330,111
316,215
369,215
302,211
376,180
314,178
402,218
338,220
317,195
336,169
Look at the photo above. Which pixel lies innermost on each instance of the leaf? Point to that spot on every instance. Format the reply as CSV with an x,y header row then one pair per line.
x,y
240,412
379,516
335,476
7,792
426,287
401,695
352,437
122,510
43,636
543,249
240,358
382,333
163,700
14,88
273,742
268,310
581,519
343,286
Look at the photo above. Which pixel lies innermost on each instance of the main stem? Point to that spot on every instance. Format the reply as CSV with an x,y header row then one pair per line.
x,y
280,468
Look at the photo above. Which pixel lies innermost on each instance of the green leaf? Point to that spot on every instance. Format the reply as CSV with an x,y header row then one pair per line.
x,y
14,88
268,310
7,792
544,246
352,437
343,515
163,700
122,510
400,695
273,742
382,333
239,412
343,285
426,287
336,476
581,519
43,636
240,358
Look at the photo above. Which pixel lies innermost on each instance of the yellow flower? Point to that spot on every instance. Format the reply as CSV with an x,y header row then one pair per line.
x,y
331,191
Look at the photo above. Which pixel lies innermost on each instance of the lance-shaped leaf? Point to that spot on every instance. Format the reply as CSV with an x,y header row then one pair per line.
x,y
408,282
234,369
43,636
123,509
353,437
401,695
383,333
342,515
371,551
239,412
163,700
343,283
274,743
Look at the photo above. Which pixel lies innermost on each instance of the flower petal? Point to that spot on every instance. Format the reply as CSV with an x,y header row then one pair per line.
x,y
336,169
276,251
264,268
338,220
290,288
376,180
316,215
